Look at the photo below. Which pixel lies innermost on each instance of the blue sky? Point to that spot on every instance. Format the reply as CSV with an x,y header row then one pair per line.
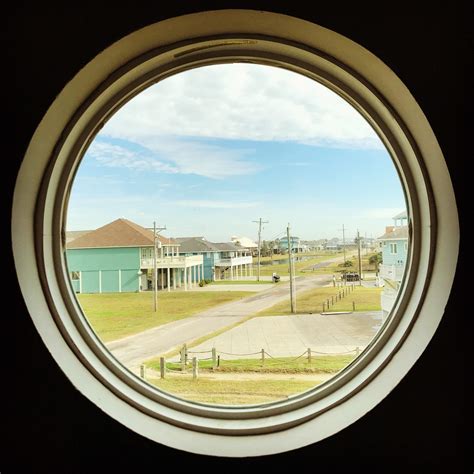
x,y
210,150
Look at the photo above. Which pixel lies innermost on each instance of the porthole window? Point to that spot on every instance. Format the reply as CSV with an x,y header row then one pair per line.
x,y
58,270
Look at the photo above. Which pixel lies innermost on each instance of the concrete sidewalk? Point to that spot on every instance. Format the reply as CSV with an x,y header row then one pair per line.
x,y
285,336
236,287
133,350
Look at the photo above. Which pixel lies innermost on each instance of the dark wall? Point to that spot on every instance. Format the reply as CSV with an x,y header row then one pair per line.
x,y
49,427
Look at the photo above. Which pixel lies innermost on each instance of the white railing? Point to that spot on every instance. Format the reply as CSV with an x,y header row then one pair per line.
x,y
175,261
231,262
392,272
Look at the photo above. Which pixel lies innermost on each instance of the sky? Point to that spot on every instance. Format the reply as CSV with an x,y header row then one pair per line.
x,y
208,151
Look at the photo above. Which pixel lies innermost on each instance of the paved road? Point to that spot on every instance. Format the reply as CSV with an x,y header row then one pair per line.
x,y
133,350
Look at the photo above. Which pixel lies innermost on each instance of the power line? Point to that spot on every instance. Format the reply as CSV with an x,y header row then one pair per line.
x,y
259,222
155,270
292,289
343,241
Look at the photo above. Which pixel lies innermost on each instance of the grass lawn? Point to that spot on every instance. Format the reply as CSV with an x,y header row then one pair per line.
x,y
282,268
305,254
311,301
243,390
231,392
240,282
335,269
116,315
283,365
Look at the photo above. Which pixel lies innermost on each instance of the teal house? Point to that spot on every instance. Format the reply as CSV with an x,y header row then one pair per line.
x,y
394,248
119,257
296,245
220,260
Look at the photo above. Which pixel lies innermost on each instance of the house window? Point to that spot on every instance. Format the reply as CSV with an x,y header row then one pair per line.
x,y
105,85
75,276
393,249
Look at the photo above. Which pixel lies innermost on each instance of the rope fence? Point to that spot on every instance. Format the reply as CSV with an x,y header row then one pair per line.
x,y
343,291
266,360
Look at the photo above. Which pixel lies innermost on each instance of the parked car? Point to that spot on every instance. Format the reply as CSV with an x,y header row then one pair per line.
x,y
351,276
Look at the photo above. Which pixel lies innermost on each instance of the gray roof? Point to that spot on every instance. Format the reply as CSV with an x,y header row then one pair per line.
x,y
196,244
228,247
401,215
398,233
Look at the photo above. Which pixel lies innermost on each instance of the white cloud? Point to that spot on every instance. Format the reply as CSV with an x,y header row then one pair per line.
x,y
246,102
212,204
170,155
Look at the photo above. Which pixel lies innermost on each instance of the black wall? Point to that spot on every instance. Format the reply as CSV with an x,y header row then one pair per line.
x,y
420,427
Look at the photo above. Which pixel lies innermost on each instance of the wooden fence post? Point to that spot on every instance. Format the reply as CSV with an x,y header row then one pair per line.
x,y
185,347
309,355
142,371
183,359
162,367
195,368
214,358
353,306
263,357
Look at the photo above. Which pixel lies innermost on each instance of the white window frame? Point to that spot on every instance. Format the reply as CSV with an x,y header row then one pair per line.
x,y
393,248
172,46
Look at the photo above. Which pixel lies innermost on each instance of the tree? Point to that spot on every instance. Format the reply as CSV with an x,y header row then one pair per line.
x,y
264,249
278,246
376,260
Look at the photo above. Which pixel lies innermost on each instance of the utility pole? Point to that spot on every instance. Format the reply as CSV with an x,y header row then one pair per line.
x,y
259,222
344,241
358,252
155,271
292,289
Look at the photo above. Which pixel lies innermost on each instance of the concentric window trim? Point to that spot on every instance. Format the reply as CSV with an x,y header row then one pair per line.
x,y
173,46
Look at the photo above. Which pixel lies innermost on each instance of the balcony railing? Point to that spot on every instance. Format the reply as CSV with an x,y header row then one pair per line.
x,y
173,262
233,261
392,272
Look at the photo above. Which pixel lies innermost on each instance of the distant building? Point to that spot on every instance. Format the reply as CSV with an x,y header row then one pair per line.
x,y
394,248
246,243
220,260
119,257
296,245
333,244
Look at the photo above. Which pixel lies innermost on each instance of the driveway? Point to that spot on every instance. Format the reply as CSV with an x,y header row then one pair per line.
x,y
284,336
131,351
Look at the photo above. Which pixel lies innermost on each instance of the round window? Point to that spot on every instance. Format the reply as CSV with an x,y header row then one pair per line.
x,y
215,131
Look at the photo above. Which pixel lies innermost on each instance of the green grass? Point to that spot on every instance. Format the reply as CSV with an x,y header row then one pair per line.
x,y
283,365
311,301
306,254
232,392
336,269
300,266
240,282
116,315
